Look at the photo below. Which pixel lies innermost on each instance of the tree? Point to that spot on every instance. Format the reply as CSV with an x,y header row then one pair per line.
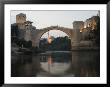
x,y
59,43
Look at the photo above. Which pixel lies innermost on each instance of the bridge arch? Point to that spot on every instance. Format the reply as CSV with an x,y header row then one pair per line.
x,y
39,33
74,34
56,30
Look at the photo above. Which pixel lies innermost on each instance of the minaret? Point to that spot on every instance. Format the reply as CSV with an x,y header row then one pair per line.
x,y
49,38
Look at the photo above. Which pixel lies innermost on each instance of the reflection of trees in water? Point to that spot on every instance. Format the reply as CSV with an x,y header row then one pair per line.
x,y
56,57
85,63
61,57
26,65
55,63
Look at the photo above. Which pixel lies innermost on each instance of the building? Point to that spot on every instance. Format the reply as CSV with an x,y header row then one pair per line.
x,y
90,26
25,28
91,22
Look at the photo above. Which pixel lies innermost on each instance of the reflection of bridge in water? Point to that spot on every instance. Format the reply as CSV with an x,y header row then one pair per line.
x,y
84,63
54,65
78,64
49,55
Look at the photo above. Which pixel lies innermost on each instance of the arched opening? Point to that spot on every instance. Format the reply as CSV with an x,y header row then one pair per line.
x,y
57,56
55,40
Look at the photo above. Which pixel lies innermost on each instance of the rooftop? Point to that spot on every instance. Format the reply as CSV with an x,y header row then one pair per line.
x,y
21,14
28,22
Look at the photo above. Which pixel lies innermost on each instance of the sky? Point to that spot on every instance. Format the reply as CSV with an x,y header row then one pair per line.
x,y
42,19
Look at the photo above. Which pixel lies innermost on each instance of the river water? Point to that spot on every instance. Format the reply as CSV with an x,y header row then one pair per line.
x,y
57,64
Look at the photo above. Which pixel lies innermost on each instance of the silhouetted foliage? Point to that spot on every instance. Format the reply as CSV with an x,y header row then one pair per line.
x,y
14,33
59,43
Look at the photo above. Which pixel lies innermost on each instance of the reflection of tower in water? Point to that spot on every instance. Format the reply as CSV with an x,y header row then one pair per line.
x,y
49,63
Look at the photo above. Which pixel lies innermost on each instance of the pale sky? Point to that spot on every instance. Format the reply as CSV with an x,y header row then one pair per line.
x,y
42,19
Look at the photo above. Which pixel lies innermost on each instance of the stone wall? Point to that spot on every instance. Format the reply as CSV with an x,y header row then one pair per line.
x,y
77,25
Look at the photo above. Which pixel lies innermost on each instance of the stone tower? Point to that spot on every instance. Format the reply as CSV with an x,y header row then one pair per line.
x,y
77,25
20,18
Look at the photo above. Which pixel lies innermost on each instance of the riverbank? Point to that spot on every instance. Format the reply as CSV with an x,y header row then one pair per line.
x,y
85,49
19,51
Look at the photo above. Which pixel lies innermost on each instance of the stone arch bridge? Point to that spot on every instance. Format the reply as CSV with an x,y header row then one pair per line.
x,y
74,34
